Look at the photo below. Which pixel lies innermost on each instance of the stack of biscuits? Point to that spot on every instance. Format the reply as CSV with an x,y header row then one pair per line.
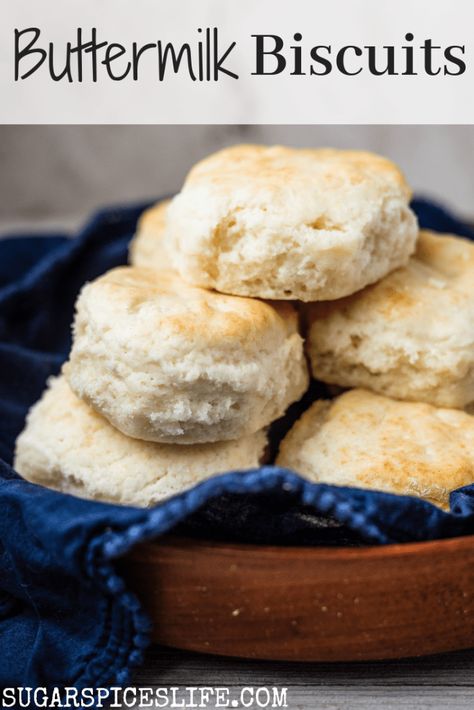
x,y
270,264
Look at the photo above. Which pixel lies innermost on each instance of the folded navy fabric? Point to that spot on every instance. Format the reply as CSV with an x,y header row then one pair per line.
x,y
66,617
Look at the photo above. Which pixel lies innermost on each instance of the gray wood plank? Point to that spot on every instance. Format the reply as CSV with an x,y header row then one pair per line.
x,y
167,667
444,682
365,699
343,698
432,683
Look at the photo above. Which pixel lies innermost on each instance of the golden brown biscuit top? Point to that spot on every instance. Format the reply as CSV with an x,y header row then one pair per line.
x,y
140,302
154,218
451,256
276,168
439,279
378,442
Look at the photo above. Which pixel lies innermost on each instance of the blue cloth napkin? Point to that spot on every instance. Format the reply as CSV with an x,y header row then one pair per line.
x,y
66,617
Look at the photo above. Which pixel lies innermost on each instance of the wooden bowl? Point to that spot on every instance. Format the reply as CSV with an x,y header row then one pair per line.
x,y
307,603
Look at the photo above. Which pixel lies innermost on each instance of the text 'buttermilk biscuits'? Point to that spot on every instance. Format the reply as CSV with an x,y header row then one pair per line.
x,y
165,361
69,447
410,336
147,248
365,440
291,224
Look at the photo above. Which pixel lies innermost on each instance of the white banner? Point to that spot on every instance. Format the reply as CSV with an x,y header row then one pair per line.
x,y
236,61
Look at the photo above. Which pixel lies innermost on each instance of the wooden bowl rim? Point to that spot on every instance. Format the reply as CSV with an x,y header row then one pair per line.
x,y
410,598
390,551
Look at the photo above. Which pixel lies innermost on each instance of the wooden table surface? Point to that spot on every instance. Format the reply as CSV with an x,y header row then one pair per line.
x,y
436,683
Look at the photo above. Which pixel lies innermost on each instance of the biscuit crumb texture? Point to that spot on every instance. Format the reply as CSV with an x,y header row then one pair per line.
x,y
69,447
169,362
364,440
410,336
148,248
284,223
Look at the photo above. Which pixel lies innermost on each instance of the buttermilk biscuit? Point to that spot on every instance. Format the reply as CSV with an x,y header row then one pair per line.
x,y
365,440
166,361
291,224
67,446
411,336
147,249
